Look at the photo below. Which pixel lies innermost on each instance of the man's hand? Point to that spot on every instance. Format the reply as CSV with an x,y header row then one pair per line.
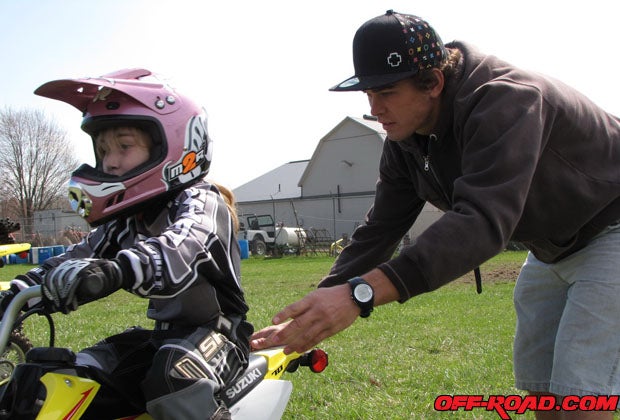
x,y
263,339
61,284
319,315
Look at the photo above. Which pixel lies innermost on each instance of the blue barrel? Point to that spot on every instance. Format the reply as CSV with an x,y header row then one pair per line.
x,y
16,259
245,248
43,253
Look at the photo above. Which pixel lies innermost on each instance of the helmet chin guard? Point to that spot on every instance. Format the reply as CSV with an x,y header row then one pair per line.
x,y
181,147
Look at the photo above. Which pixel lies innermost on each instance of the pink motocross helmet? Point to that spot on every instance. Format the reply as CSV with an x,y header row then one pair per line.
x,y
181,152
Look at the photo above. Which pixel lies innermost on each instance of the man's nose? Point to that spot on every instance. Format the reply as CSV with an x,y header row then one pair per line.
x,y
376,105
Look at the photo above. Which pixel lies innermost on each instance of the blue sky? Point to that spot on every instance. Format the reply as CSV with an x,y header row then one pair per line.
x,y
262,69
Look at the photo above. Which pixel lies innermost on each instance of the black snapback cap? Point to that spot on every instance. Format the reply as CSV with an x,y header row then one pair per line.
x,y
390,48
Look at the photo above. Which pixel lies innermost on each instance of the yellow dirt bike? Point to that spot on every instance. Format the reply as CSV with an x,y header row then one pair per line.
x,y
49,385
18,344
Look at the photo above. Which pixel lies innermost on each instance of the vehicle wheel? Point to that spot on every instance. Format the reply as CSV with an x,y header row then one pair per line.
x,y
14,354
259,247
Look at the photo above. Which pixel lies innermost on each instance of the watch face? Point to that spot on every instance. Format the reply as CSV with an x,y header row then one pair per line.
x,y
363,292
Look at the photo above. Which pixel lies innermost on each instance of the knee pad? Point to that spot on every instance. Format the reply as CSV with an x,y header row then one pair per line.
x,y
204,355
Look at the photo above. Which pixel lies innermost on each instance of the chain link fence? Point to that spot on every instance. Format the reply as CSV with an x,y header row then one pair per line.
x,y
51,227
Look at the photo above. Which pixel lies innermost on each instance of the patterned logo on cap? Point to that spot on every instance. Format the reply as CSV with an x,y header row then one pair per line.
x,y
394,59
425,46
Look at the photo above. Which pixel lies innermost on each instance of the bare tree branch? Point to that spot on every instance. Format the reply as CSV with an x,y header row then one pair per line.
x,y
36,159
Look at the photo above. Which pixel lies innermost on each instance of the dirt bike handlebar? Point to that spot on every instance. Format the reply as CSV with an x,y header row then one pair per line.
x,y
12,312
88,291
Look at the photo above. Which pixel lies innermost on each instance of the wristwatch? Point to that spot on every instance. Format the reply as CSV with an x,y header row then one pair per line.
x,y
363,295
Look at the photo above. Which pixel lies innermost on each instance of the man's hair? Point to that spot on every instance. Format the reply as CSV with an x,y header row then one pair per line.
x,y
425,79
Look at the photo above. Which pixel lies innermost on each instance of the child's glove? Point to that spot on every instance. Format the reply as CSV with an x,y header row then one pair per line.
x,y
78,281
24,281
31,278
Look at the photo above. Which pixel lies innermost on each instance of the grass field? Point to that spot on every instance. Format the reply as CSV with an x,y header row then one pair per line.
x,y
394,364
391,365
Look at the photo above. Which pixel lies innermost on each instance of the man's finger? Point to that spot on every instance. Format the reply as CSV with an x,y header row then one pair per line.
x,y
291,311
264,338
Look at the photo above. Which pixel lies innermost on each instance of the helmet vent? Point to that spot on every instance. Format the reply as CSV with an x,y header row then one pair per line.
x,y
116,199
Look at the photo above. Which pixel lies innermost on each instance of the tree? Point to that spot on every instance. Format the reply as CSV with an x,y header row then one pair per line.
x,y
36,159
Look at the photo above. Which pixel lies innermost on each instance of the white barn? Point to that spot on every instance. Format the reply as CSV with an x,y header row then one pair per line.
x,y
333,190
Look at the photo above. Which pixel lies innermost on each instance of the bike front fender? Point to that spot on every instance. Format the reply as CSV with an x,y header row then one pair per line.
x,y
265,402
67,397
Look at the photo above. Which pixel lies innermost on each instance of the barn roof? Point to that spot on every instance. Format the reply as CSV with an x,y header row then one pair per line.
x,y
283,181
371,124
279,183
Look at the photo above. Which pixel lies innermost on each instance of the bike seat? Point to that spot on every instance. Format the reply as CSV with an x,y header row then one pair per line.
x,y
50,354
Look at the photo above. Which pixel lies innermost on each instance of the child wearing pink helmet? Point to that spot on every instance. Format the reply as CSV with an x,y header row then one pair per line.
x,y
162,232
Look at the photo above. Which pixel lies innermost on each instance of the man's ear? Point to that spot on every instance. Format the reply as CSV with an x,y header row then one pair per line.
x,y
437,88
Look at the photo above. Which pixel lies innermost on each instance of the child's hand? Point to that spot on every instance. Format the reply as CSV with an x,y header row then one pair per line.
x,y
78,281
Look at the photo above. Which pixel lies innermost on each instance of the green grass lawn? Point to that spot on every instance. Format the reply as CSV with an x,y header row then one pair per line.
x,y
394,364
391,365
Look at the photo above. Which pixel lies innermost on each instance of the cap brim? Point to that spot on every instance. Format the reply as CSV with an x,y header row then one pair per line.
x,y
370,82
